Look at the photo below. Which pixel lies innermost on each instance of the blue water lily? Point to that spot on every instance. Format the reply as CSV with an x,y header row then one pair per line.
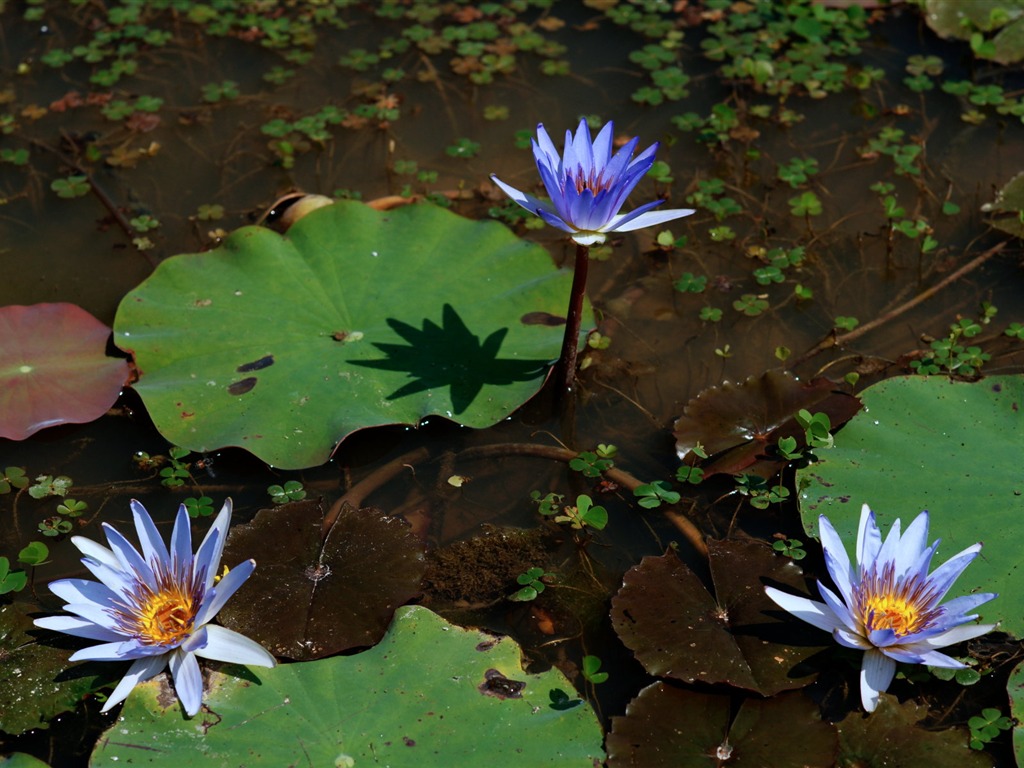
x,y
588,185
889,605
153,608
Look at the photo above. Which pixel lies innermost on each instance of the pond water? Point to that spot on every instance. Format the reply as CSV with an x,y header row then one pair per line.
x,y
429,102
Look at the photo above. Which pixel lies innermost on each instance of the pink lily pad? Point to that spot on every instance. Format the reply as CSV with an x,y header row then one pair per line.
x,y
54,368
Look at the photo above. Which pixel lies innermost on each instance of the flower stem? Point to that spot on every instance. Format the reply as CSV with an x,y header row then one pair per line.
x,y
571,341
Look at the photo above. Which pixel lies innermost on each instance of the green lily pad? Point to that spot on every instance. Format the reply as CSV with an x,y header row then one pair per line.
x,y
950,447
283,345
54,368
1015,690
312,596
678,629
430,694
38,683
666,727
891,736
1008,207
21,760
962,20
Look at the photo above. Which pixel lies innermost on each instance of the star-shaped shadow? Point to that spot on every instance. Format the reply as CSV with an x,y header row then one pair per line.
x,y
450,355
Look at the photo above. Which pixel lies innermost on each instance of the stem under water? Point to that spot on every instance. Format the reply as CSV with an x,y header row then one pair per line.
x,y
571,341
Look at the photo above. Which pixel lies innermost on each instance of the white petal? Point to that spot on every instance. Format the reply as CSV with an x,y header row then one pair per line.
x,y
73,625
82,591
139,672
807,610
649,219
226,645
222,592
836,559
96,551
117,651
869,539
957,635
153,548
181,541
188,681
209,552
876,673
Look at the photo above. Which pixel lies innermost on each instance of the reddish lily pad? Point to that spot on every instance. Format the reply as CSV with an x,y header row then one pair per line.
x,y
667,727
54,368
312,596
735,423
892,735
677,629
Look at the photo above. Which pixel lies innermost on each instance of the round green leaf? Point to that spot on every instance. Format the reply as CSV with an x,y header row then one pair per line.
x,y
285,344
950,447
1015,690
54,368
429,694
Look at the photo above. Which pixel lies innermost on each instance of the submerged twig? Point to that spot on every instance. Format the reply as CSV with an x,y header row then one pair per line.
x,y
357,493
835,340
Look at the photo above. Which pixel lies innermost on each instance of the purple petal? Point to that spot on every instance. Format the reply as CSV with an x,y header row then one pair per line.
x,y
226,645
97,614
181,541
117,580
804,609
903,654
223,590
139,672
890,551
851,640
544,149
207,558
837,606
78,627
876,674
942,578
556,221
188,681
153,548
603,147
958,607
122,651
957,635
836,559
83,591
912,546
618,164
128,556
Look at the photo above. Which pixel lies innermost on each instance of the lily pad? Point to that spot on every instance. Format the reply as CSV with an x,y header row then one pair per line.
x,y
1015,690
283,345
891,735
735,423
667,727
430,694
312,596
21,760
38,683
1008,207
677,629
54,368
963,20
950,447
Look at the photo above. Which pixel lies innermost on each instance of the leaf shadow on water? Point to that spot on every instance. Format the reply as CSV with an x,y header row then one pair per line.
x,y
450,355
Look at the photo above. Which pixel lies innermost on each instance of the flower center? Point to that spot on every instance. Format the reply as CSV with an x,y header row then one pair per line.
x,y
584,181
165,617
891,612
904,606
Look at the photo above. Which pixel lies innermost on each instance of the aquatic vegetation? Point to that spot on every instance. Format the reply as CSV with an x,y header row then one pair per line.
x,y
154,608
889,605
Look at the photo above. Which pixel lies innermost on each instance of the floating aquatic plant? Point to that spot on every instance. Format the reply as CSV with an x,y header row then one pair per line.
x,y
588,186
889,606
153,608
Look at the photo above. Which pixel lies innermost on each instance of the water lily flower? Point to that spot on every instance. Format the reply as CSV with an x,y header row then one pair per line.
x,y
588,185
153,608
889,605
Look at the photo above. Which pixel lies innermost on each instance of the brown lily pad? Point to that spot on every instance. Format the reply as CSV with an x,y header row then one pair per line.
x,y
735,423
54,368
667,727
312,596
677,629
891,735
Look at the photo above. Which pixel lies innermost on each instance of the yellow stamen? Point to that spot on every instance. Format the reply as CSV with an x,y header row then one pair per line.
x,y
165,617
891,612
